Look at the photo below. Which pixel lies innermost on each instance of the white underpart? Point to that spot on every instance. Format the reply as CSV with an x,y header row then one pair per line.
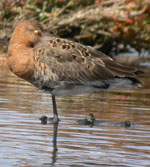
x,y
61,88
117,83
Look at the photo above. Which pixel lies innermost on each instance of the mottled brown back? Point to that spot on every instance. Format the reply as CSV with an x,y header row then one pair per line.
x,y
72,61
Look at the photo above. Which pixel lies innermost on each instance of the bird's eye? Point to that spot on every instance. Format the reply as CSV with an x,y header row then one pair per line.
x,y
36,31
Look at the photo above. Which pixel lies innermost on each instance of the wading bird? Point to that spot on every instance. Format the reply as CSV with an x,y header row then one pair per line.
x,y
61,66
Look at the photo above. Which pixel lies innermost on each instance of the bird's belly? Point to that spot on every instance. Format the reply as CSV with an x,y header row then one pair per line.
x,y
61,88
74,90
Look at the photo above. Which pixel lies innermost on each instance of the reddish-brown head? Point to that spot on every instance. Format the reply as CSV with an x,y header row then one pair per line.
x,y
27,33
20,50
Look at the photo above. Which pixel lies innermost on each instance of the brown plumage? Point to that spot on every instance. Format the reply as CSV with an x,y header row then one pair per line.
x,y
61,66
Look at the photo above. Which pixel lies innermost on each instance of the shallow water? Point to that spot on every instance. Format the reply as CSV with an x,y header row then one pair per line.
x,y
25,142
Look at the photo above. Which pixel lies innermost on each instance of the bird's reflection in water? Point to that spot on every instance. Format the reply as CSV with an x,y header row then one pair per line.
x,y
54,153
47,120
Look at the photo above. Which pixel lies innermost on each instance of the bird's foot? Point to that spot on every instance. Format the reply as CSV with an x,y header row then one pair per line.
x,y
56,119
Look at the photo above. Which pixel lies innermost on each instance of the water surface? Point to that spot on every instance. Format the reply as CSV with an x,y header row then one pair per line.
x,y
25,142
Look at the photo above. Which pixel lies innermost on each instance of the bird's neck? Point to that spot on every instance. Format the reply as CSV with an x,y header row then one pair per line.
x,y
20,59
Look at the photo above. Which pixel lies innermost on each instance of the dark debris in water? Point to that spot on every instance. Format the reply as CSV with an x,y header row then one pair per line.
x,y
127,123
91,121
44,119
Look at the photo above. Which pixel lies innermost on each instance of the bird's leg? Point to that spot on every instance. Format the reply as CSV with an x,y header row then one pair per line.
x,y
55,114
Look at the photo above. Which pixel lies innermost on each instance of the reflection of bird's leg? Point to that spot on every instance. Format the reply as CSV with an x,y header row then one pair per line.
x,y
55,128
55,114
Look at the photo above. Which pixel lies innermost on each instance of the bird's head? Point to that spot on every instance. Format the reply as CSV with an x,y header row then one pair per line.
x,y
27,33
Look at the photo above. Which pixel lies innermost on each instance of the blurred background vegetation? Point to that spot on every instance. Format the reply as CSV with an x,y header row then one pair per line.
x,y
109,25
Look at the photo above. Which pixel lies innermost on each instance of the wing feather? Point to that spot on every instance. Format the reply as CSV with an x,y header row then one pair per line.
x,y
72,61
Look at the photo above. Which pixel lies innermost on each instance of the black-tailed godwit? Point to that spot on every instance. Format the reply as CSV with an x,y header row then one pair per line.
x,y
61,66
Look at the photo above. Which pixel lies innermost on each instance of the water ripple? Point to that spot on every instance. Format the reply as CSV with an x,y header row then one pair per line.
x,y
26,142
